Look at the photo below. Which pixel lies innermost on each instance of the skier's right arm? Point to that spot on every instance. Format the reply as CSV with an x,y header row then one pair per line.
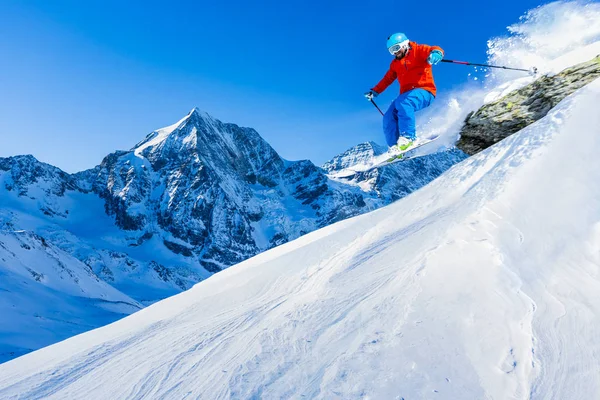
x,y
387,80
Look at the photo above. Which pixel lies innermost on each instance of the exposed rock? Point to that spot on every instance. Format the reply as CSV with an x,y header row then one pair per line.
x,y
520,108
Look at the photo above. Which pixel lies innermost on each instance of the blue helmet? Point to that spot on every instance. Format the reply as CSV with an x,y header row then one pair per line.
x,y
397,39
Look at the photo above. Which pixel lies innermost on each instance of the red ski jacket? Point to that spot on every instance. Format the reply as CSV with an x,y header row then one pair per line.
x,y
413,71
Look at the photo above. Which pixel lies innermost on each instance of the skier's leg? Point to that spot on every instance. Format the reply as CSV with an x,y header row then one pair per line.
x,y
406,105
390,125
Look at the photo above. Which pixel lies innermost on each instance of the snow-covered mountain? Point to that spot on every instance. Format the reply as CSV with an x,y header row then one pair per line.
x,y
394,181
483,284
363,153
217,193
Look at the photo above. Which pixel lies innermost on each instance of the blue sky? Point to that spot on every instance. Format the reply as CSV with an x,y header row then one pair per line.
x,y
80,79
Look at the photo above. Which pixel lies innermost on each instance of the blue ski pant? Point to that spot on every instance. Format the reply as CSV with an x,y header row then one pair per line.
x,y
399,119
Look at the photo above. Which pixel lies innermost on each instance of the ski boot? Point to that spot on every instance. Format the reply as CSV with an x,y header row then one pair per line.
x,y
403,145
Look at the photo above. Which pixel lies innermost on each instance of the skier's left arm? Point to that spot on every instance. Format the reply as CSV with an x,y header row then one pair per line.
x,y
432,54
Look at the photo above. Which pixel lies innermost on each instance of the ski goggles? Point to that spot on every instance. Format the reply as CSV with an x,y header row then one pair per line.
x,y
397,47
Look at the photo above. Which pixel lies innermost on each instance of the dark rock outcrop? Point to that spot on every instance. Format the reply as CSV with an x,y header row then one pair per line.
x,y
520,108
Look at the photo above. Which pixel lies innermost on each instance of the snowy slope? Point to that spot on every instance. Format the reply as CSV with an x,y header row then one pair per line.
x,y
483,284
48,295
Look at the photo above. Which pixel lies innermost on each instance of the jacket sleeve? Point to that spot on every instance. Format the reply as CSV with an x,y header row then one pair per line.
x,y
423,51
387,80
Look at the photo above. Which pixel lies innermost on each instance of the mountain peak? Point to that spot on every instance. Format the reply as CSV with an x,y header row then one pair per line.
x,y
362,153
198,113
194,117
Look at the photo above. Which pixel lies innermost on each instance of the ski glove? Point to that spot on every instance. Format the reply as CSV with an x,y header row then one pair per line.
x,y
370,94
435,57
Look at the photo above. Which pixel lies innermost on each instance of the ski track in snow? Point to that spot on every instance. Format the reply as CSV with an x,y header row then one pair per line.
x,y
483,284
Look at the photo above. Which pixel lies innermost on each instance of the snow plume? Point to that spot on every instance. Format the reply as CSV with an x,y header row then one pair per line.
x,y
544,35
551,37
447,115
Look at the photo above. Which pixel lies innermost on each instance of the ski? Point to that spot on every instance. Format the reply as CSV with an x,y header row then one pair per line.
x,y
402,156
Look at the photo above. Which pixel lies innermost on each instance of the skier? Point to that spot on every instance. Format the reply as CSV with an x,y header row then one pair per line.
x,y
412,67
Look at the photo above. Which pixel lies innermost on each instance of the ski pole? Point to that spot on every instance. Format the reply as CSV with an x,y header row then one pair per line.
x,y
532,71
381,112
